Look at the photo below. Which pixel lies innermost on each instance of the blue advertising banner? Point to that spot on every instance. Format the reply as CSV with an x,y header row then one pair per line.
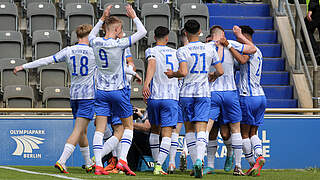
x,y
288,142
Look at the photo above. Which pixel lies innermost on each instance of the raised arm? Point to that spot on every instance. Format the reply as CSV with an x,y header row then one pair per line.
x,y
242,59
96,28
141,30
248,46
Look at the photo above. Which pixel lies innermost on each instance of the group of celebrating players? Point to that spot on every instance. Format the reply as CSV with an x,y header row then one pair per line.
x,y
194,85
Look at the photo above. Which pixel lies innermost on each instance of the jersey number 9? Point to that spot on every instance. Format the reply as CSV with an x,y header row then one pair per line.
x,y
103,57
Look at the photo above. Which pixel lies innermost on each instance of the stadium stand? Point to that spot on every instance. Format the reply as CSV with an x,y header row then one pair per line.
x,y
73,39
53,75
77,14
140,3
46,43
18,97
8,16
156,14
173,39
135,47
275,79
8,78
119,10
101,3
136,89
195,11
177,3
11,44
37,14
56,97
63,3
25,3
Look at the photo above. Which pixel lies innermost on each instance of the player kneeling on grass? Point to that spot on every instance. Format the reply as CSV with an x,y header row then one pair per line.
x,y
112,93
195,60
81,64
252,102
162,98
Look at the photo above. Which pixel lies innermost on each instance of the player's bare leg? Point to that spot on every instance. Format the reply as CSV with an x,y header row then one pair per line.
x,y
173,148
237,147
125,145
80,126
211,150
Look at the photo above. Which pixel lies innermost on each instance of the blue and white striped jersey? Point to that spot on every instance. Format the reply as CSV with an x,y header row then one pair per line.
x,y
199,57
250,76
226,82
161,86
110,60
81,64
127,54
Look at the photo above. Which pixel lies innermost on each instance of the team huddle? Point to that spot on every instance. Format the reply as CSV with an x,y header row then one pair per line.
x,y
194,85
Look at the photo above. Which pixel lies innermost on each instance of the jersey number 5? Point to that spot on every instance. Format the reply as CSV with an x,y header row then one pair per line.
x,y
167,61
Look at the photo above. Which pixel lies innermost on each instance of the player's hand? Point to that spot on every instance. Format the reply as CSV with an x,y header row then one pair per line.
x,y
212,77
309,16
138,79
106,13
237,30
169,73
223,41
130,12
17,69
146,92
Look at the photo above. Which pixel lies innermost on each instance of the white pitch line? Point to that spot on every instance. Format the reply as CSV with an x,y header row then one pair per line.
x,y
38,173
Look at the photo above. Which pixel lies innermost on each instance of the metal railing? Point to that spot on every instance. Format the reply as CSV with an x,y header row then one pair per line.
x,y
298,26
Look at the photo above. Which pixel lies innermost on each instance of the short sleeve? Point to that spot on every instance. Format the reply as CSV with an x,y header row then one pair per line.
x,y
61,56
181,56
123,43
215,56
127,52
237,46
150,53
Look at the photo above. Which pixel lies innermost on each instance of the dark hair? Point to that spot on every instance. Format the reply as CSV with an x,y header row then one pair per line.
x,y
161,32
215,27
192,26
247,30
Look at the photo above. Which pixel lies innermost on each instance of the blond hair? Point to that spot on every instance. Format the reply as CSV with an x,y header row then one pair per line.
x,y
83,30
111,21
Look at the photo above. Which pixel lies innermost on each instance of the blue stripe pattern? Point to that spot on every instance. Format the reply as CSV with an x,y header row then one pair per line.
x,y
153,146
237,146
55,59
164,150
124,140
257,146
97,146
248,155
191,144
202,140
249,79
174,144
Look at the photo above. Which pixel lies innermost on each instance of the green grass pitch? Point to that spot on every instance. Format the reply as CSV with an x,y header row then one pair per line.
x,y
77,172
